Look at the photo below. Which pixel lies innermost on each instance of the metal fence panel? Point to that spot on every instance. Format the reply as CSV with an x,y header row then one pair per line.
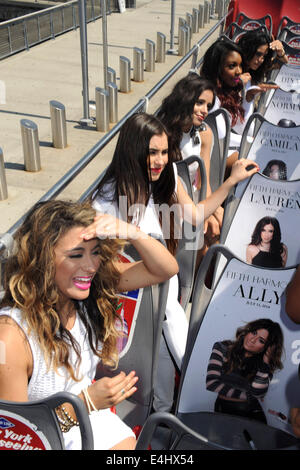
x,y
32,29
17,37
4,42
44,26
21,33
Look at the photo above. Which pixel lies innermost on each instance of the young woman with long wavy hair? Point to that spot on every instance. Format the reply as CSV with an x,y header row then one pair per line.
x,y
261,54
240,371
266,248
58,316
183,113
223,64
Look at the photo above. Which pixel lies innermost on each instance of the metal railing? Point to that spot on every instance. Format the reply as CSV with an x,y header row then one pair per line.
x,y
29,30
59,186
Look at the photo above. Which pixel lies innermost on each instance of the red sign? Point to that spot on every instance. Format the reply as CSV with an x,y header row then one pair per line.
x,y
17,433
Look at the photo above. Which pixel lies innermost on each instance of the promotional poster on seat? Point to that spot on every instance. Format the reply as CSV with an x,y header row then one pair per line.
x,y
276,150
283,105
288,77
232,360
264,231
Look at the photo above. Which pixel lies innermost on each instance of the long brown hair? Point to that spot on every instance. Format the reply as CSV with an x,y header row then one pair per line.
x,y
213,63
29,284
128,171
236,351
177,109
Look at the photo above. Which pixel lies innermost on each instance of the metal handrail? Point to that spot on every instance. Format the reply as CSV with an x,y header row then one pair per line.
x,y
61,184
28,16
53,26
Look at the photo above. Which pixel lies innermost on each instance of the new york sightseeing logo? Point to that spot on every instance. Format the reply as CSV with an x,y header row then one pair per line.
x,y
17,433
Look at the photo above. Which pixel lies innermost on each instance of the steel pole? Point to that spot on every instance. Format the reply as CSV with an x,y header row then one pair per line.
x,y
172,49
104,38
84,61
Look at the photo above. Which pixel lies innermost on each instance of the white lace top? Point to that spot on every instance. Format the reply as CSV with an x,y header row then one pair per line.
x,y
44,382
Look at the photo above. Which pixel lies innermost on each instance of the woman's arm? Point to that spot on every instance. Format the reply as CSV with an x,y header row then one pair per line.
x,y
15,362
251,251
260,384
233,385
284,255
216,219
205,153
292,305
156,265
277,46
295,420
197,213
260,88
226,385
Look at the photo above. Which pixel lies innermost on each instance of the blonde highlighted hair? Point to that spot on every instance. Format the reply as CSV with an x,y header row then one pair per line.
x,y
29,284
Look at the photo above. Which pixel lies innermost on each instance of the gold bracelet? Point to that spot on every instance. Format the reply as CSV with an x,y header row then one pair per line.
x,y
62,424
66,422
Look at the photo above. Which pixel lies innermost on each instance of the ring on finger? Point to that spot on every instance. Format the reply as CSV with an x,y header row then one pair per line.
x,y
123,391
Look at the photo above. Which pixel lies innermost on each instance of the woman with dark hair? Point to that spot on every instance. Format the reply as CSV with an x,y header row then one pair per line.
x,y
183,112
59,314
276,170
258,49
240,371
266,248
141,186
223,65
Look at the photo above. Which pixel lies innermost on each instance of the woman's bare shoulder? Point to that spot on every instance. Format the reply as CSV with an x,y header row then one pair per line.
x,y
12,335
252,249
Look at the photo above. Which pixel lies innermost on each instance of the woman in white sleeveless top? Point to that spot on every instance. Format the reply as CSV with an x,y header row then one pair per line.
x,y
183,112
139,185
58,317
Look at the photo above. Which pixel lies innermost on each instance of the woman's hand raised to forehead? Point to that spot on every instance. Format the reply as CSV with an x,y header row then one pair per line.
x,y
277,46
242,169
107,226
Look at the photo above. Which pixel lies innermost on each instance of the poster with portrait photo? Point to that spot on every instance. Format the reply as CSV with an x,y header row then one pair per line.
x,y
243,294
276,150
288,77
263,198
283,105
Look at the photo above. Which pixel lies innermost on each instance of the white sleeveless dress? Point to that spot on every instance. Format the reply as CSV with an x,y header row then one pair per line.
x,y
107,427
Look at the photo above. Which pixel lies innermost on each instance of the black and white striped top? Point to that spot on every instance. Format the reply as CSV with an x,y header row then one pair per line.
x,y
234,385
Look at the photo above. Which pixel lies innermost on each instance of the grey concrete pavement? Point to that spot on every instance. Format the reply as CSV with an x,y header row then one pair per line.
x,y
52,71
